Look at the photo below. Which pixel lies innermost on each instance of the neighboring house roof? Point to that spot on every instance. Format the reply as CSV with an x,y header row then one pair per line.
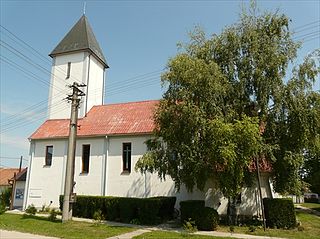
x,y
80,38
112,119
22,175
6,174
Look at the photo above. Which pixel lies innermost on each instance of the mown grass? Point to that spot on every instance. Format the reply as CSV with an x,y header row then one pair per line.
x,y
69,230
174,235
314,206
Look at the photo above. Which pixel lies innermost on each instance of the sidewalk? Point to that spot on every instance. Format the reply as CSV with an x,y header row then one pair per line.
x,y
19,235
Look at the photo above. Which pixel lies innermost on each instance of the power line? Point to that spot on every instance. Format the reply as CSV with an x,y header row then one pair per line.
x,y
31,49
3,157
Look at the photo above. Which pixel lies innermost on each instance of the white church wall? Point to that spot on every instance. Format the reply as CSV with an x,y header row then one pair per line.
x,y
59,108
83,67
95,83
45,182
106,177
121,183
90,183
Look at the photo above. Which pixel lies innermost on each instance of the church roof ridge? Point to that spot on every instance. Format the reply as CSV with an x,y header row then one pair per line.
x,y
80,38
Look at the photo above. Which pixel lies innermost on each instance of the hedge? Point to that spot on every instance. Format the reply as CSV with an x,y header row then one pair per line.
x,y
205,218
208,219
279,213
190,209
145,210
311,200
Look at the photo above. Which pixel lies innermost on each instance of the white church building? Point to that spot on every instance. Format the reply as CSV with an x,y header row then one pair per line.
x,y
111,138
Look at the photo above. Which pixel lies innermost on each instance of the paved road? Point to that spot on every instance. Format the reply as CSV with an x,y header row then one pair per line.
x,y
19,235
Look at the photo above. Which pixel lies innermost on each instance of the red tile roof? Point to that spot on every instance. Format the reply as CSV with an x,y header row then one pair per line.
x,y
112,119
6,174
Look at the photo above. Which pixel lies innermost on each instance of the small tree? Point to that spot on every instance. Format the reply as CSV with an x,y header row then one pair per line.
x,y
227,103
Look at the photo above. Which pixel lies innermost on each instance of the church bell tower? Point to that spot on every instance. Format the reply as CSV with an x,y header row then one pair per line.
x,y
77,58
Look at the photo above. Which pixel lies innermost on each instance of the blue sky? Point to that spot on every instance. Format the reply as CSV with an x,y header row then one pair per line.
x,y
137,38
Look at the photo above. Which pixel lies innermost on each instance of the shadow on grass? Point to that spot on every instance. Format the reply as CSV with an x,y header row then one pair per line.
x,y
28,216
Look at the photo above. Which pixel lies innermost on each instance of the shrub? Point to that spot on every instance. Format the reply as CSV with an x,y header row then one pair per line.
x,y
279,213
166,210
31,210
190,226
2,208
53,215
190,209
311,200
128,209
144,210
149,210
5,197
98,217
208,219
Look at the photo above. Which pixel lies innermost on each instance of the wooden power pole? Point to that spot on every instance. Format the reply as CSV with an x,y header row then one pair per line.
x,y
68,198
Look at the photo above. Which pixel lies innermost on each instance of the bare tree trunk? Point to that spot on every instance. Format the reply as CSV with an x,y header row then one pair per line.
x,y
232,211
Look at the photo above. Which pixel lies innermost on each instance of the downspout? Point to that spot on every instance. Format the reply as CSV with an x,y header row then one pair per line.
x,y
105,167
26,190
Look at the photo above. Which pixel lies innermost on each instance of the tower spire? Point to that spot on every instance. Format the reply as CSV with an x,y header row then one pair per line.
x,y
84,8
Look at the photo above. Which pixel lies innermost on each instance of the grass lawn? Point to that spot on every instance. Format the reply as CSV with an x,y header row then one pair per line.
x,y
314,206
174,235
71,230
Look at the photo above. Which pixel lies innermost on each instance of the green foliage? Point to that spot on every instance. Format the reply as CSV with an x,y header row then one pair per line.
x,y
98,217
208,219
252,228
144,210
226,103
53,215
190,226
149,211
190,209
279,213
2,208
128,209
5,197
31,210
204,218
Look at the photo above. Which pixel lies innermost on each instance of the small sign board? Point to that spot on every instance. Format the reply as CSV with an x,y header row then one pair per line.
x,y
73,198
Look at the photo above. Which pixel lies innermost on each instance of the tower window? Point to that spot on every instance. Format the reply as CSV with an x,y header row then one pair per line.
x,y
126,157
68,70
49,153
85,158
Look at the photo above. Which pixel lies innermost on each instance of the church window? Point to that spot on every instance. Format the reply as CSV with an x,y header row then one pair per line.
x,y
49,153
68,70
85,158
126,157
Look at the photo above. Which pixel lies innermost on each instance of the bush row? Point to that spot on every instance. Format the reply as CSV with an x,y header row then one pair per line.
x,y
279,213
139,210
205,218
311,200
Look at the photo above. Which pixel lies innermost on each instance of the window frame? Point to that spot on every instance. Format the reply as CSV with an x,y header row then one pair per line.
x,y
48,156
85,167
126,157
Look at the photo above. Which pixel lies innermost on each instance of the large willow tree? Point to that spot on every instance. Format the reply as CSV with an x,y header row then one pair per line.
x,y
230,98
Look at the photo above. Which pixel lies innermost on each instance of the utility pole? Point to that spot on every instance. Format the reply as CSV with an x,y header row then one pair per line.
x,y
68,198
21,158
